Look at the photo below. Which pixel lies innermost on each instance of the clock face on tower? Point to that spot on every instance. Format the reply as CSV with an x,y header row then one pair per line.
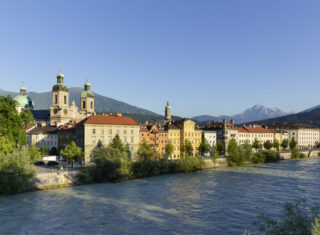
x,y
55,111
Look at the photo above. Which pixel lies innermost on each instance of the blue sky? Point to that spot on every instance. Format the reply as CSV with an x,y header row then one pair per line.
x,y
205,57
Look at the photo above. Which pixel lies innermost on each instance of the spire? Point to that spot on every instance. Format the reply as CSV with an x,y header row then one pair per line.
x,y
23,89
60,76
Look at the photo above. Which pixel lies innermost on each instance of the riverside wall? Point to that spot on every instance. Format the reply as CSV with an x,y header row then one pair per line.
x,y
55,179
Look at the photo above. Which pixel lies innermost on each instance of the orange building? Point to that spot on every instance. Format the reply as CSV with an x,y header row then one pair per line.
x,y
155,135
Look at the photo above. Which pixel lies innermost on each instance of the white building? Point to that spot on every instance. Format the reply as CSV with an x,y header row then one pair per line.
x,y
306,137
211,137
250,133
46,136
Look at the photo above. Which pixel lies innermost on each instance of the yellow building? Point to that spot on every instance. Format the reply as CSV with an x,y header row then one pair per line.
x,y
174,139
181,130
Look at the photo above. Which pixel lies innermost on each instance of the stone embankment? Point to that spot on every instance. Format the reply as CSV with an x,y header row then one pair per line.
x,y
308,153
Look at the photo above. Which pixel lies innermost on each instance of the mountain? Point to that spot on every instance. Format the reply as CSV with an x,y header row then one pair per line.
x,y
255,113
311,118
102,104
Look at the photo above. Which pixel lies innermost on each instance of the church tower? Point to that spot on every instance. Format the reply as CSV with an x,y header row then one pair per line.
x,y
87,100
60,102
168,119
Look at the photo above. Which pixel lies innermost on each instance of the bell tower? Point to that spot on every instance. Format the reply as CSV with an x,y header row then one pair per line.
x,y
168,119
60,101
87,100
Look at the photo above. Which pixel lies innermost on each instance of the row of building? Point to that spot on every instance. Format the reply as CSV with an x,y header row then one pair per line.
x,y
57,127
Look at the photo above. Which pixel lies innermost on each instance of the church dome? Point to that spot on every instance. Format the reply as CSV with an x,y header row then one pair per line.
x,y
86,92
60,86
23,100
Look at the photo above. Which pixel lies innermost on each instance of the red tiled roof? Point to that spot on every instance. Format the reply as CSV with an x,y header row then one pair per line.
x,y
256,129
220,125
112,120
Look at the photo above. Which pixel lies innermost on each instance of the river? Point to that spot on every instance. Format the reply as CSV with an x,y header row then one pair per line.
x,y
217,201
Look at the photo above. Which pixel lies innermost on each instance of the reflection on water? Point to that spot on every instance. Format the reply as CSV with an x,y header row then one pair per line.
x,y
219,201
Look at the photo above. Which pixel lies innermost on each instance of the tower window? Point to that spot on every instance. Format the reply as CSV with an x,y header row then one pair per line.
x,y
91,105
55,99
65,99
83,104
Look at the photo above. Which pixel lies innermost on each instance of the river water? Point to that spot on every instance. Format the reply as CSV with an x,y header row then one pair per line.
x,y
217,201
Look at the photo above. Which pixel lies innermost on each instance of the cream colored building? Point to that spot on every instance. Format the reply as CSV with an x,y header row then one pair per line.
x,y
46,136
250,133
174,139
306,137
100,130
61,112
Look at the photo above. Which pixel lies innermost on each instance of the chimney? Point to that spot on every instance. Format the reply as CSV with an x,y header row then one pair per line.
x,y
119,114
232,121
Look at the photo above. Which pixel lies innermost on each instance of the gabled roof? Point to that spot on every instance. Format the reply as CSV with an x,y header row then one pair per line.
x,y
111,120
220,125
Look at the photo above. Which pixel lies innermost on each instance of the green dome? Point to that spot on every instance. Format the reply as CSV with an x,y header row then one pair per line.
x,y
87,83
60,75
23,88
168,105
24,101
85,94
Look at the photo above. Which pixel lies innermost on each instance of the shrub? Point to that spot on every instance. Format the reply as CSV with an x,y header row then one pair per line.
x,y
297,219
271,156
189,164
16,172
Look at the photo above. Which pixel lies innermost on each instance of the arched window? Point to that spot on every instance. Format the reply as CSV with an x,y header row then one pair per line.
x,y
91,105
83,104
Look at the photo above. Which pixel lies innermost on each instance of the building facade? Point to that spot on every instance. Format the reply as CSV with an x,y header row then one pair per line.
x,y
100,130
46,136
61,112
248,134
155,135
225,131
211,137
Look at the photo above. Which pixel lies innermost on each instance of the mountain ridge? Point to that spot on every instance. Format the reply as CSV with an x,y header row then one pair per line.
x,y
254,113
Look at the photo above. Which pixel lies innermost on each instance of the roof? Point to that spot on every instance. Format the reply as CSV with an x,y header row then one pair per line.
x,y
152,128
24,101
111,120
255,129
41,114
220,125
291,126
44,129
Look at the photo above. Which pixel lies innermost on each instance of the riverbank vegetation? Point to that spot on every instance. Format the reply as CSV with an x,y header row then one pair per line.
x,y
297,218
111,163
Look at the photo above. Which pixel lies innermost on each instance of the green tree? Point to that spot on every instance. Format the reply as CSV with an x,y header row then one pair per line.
x,y
169,148
110,164
267,145
118,144
204,146
53,151
256,144
34,153
16,172
276,144
145,151
293,144
44,150
188,149
11,124
6,146
285,143
72,152
26,116
219,147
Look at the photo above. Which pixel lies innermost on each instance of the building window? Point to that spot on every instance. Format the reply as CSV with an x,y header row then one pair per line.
x,y
125,132
118,132
102,131
56,99
131,139
65,99
93,131
110,131
83,104
93,140
132,132
91,105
